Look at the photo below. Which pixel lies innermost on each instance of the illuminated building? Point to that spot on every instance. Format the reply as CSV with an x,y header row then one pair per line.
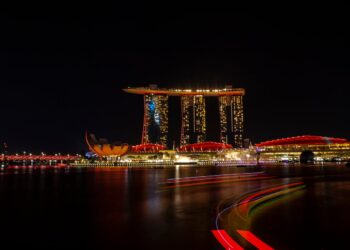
x,y
294,149
155,123
102,148
193,128
231,119
154,148
205,147
193,114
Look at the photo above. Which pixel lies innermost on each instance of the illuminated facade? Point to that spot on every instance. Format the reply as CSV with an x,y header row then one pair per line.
x,y
231,120
193,128
291,149
155,125
102,148
193,114
205,147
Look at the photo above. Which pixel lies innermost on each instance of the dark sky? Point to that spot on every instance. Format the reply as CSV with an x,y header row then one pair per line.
x,y
62,74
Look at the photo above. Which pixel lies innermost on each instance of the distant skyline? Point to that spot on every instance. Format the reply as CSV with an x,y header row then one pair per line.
x,y
64,74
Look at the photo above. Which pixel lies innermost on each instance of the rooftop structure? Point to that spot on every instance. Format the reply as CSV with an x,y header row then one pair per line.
x,y
303,140
147,148
205,147
228,91
318,148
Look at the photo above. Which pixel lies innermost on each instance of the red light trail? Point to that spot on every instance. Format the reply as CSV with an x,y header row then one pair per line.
x,y
233,179
225,240
209,177
255,241
244,205
230,244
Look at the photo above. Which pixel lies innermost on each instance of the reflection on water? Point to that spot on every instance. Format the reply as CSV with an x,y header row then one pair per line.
x,y
162,208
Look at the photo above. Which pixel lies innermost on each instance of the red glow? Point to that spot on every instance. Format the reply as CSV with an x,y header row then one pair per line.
x,y
147,147
216,177
205,147
220,181
39,157
270,190
305,139
255,241
243,207
225,240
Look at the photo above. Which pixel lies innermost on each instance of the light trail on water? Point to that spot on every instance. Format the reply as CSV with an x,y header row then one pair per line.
x,y
245,204
205,177
216,181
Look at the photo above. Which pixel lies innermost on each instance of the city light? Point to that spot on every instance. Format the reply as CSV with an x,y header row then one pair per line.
x,y
193,114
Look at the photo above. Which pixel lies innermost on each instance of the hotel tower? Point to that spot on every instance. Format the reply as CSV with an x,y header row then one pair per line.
x,y
193,114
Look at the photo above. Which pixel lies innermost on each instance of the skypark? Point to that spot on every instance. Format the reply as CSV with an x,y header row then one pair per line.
x,y
183,92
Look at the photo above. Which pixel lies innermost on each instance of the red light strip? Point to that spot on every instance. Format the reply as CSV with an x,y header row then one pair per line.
x,y
244,205
255,241
270,190
217,177
37,157
220,181
225,240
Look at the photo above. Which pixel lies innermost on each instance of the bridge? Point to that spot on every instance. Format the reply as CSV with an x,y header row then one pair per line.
x,y
41,157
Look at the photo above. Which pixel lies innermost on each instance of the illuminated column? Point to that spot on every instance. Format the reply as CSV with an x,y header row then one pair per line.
x,y
238,120
193,112
186,104
231,120
200,125
224,108
155,121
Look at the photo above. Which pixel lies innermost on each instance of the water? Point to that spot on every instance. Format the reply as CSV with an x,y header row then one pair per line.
x,y
110,208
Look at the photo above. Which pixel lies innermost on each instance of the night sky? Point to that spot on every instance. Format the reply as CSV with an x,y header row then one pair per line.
x,y
63,74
